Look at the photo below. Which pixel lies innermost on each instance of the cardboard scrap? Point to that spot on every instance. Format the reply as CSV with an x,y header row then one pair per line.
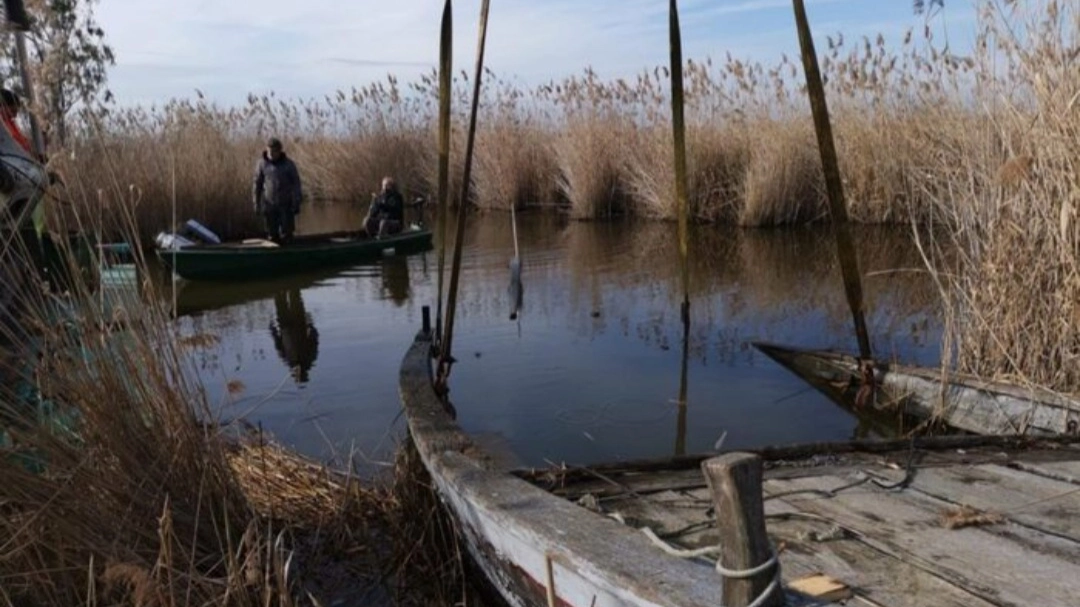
x,y
821,586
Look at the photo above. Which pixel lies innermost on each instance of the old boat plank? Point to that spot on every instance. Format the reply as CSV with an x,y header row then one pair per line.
x,y
513,529
876,577
1029,499
962,401
1007,565
1065,471
527,541
683,519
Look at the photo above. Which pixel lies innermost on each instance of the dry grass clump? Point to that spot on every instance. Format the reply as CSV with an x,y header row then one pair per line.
x,y
513,164
784,183
958,517
593,136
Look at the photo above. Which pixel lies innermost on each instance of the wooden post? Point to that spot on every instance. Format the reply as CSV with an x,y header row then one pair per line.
x,y
425,319
735,482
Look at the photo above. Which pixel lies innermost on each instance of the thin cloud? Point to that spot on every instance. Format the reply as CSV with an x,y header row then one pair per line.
x,y
314,47
378,63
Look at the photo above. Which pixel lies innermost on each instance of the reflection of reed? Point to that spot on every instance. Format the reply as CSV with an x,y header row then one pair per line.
x,y
623,276
738,277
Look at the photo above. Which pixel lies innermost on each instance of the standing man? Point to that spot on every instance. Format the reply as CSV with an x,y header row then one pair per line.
x,y
277,191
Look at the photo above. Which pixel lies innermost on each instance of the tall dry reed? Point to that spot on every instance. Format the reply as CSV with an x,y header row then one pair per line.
x,y
120,486
1011,205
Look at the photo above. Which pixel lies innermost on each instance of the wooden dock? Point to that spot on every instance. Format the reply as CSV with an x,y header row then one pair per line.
x,y
980,526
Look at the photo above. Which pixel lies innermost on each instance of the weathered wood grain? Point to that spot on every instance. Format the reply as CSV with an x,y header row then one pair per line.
x,y
1035,501
873,575
1008,566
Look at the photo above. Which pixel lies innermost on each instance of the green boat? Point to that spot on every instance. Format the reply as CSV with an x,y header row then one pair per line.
x,y
258,258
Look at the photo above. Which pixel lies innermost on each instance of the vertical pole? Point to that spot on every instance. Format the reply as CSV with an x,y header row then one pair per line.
x,y
445,356
680,422
735,482
849,262
445,67
678,126
425,319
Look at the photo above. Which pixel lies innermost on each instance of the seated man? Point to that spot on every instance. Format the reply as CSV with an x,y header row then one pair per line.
x,y
387,213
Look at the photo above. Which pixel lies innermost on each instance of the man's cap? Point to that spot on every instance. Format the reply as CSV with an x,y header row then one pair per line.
x,y
273,142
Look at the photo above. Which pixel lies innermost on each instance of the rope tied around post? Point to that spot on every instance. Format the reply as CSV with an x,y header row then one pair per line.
x,y
737,574
735,481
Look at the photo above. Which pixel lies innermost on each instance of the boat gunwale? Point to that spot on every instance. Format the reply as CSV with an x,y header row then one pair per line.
x,y
588,549
319,242
843,362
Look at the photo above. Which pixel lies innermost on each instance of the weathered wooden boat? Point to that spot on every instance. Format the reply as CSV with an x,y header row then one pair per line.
x,y
963,401
258,258
860,519
535,547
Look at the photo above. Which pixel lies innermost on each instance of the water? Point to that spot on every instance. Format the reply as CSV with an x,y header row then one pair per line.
x,y
590,371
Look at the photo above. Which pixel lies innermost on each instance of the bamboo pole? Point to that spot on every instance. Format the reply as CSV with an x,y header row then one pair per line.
x,y
445,358
849,262
678,126
446,66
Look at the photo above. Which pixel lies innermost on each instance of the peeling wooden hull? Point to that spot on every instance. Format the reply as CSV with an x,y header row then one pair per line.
x,y
514,528
962,401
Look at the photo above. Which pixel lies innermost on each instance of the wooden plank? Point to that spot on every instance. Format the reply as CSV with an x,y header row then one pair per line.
x,y
1065,471
1005,565
873,575
1032,500
804,454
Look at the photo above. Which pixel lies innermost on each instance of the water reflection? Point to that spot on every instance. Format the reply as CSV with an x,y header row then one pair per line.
x,y
598,369
395,279
295,336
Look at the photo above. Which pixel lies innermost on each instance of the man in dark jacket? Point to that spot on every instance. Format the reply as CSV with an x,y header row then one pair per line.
x,y
387,213
277,193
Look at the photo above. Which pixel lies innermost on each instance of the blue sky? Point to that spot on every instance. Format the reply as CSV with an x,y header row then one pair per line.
x,y
310,48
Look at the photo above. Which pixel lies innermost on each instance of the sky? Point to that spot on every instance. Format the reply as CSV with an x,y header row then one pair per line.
x,y
227,49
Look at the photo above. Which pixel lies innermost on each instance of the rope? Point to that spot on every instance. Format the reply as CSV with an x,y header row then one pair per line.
x,y
740,574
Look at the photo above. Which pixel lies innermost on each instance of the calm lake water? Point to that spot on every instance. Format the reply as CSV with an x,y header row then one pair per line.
x,y
590,370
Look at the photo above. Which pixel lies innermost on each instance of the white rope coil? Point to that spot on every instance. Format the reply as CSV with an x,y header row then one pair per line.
x,y
772,561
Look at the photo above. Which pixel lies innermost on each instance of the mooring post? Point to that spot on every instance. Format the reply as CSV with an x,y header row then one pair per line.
x,y
735,482
425,316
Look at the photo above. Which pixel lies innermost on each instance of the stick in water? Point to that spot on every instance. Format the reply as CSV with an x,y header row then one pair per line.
x,y
849,262
445,357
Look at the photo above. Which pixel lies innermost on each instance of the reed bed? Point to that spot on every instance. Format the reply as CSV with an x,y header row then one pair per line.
x,y
1011,205
902,109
